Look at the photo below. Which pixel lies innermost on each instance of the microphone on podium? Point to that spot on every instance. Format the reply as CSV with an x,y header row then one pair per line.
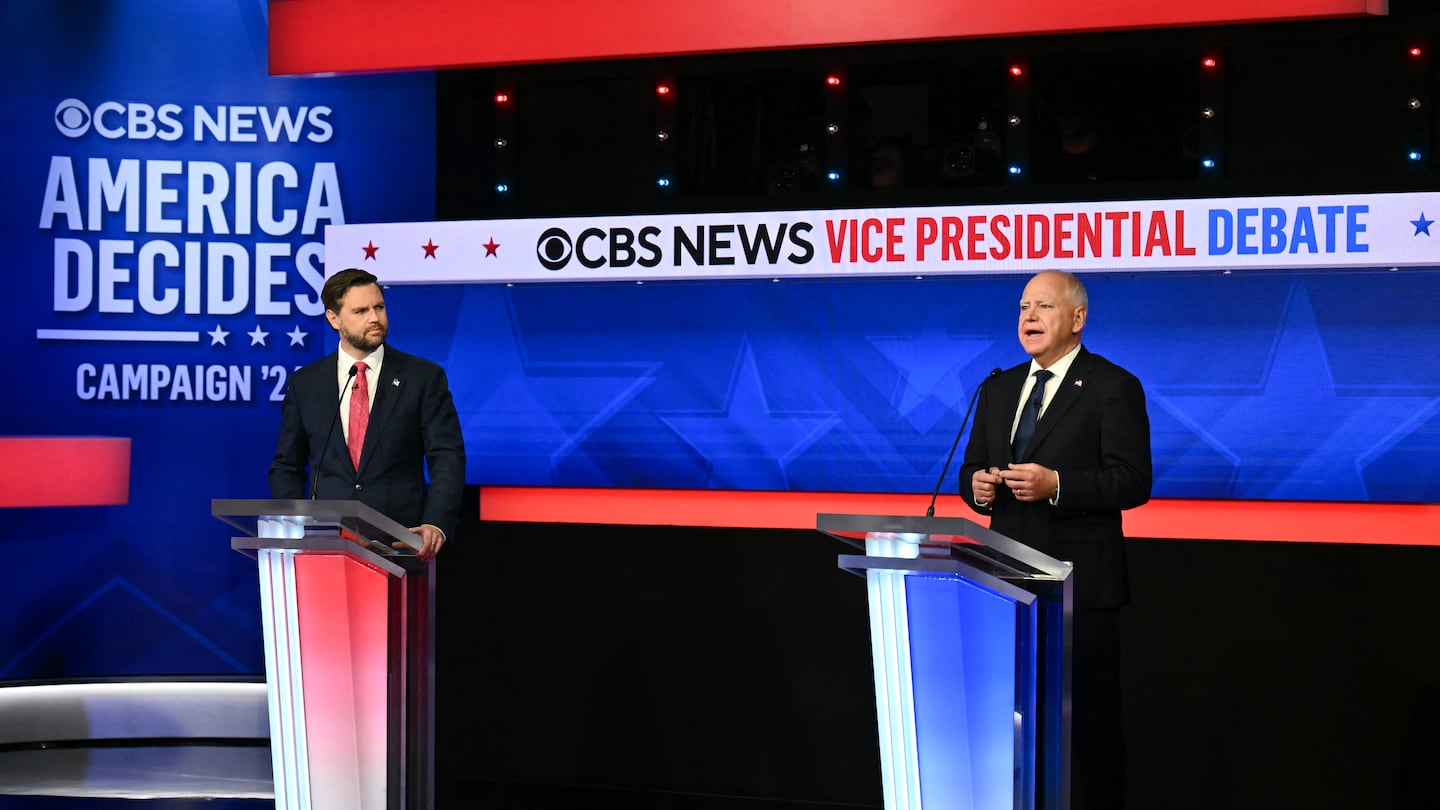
x,y
325,446
961,432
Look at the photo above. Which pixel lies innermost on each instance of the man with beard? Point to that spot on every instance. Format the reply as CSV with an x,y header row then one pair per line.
x,y
369,419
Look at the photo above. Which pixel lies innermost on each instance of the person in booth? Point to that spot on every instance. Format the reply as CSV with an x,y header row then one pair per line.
x,y
1060,446
369,420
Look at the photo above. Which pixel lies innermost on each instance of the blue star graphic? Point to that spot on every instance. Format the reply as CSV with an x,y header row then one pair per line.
x,y
1422,225
1292,436
928,362
748,444
532,418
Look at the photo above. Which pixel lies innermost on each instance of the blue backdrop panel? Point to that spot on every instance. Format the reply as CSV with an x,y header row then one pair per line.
x,y
121,119
1289,385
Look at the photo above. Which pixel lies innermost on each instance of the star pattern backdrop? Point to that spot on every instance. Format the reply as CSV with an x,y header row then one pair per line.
x,y
1317,385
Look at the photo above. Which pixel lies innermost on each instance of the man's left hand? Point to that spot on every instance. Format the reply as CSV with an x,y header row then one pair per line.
x,y
431,539
1030,482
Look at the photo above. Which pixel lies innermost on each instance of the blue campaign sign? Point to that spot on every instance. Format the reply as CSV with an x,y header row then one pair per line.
x,y
163,209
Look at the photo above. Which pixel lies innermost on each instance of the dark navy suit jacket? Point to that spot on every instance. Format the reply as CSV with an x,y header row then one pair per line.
x,y
1096,434
413,425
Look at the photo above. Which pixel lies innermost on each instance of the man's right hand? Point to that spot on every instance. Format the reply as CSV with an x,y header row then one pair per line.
x,y
983,484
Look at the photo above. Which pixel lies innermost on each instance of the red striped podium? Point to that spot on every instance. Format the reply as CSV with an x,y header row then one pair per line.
x,y
349,659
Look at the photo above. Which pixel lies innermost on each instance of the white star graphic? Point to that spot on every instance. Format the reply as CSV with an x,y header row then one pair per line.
x,y
217,336
297,337
258,336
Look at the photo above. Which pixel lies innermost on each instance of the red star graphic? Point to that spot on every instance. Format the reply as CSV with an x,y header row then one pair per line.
x,y
429,247
490,247
370,250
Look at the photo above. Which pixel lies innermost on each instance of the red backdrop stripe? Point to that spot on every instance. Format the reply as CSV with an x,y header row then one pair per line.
x,y
1276,521
64,471
320,36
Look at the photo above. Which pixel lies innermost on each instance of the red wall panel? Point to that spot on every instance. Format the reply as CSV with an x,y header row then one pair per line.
x,y
320,36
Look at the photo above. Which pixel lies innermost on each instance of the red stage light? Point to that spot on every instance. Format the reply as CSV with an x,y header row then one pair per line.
x,y
662,89
501,98
1415,51
832,80
1016,70
1209,62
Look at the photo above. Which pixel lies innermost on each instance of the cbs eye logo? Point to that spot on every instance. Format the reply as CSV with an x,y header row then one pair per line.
x,y
72,118
554,249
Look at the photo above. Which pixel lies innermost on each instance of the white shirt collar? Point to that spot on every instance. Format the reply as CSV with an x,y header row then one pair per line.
x,y
1060,367
372,361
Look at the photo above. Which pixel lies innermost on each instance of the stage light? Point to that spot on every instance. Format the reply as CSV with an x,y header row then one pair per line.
x,y
1416,51
1209,62
502,98
832,128
1208,163
832,176
1014,169
1414,155
1416,104
1207,112
1016,70
662,89
662,136
501,143
663,182
832,80
1016,120
501,188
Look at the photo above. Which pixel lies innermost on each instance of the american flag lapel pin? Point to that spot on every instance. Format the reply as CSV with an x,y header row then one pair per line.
x,y
1078,383
395,383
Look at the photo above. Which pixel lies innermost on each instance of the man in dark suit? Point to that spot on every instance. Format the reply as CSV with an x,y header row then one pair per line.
x,y
369,420
1060,446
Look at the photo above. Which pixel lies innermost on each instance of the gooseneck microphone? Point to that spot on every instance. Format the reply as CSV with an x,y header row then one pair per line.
x,y
961,432
325,446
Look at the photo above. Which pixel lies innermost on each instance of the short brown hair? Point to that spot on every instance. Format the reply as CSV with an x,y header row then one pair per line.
x,y
337,285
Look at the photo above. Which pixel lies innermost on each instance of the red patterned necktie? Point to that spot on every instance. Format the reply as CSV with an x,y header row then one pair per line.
x,y
359,413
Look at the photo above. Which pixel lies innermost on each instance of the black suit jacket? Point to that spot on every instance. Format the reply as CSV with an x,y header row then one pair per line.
x,y
1096,434
413,425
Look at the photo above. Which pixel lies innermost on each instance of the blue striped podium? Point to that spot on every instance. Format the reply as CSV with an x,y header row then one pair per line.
x,y
970,638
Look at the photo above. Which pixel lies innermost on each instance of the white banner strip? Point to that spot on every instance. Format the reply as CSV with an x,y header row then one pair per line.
x,y
117,335
1336,231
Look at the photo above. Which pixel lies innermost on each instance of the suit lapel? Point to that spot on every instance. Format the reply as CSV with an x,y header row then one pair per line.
x,y
1067,395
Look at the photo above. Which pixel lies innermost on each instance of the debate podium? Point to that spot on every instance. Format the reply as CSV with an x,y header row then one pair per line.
x,y
349,660
970,638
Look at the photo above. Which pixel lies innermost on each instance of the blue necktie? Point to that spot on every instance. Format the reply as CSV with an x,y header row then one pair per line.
x,y
1030,414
